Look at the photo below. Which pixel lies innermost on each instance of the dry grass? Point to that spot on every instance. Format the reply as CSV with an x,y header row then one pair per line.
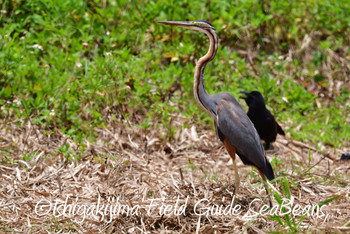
x,y
137,166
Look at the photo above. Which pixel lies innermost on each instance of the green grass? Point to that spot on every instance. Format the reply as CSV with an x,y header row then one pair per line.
x,y
293,216
130,63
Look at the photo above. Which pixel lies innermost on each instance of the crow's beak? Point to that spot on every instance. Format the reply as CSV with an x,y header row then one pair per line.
x,y
246,93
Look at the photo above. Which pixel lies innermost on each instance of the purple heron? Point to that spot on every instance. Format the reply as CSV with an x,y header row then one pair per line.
x,y
233,126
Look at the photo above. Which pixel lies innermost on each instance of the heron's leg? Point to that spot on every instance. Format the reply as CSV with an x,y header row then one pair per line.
x,y
232,152
265,185
237,180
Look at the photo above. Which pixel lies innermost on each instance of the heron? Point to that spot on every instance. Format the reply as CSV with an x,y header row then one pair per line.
x,y
233,126
264,122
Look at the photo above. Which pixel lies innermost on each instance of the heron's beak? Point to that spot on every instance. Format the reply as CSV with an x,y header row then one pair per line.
x,y
182,24
246,93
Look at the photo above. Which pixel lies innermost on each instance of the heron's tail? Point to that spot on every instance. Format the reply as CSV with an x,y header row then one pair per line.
x,y
267,168
268,171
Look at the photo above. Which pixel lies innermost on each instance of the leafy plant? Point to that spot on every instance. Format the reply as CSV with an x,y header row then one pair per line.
x,y
291,216
80,65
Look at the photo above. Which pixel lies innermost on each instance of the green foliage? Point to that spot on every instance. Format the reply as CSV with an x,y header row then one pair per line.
x,y
77,65
191,164
293,215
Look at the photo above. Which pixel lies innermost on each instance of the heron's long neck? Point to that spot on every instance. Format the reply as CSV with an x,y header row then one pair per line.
x,y
201,95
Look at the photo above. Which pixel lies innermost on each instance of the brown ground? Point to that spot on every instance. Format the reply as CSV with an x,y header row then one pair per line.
x,y
136,166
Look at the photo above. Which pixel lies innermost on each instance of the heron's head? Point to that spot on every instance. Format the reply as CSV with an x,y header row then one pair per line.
x,y
200,25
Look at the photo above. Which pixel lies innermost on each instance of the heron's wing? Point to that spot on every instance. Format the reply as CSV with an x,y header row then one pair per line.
x,y
235,125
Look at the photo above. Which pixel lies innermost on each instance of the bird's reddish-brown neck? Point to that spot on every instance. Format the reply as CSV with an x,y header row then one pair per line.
x,y
200,93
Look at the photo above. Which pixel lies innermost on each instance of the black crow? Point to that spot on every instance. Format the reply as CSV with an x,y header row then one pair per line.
x,y
261,117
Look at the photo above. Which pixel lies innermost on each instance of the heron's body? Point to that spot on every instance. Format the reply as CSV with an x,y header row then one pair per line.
x,y
262,118
233,126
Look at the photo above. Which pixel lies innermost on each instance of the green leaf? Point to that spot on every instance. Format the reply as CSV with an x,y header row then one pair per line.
x,y
322,203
